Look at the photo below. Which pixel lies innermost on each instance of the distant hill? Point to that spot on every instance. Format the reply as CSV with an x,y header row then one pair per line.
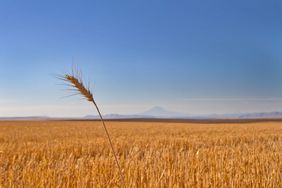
x,y
260,115
26,118
154,112
158,112
117,116
161,113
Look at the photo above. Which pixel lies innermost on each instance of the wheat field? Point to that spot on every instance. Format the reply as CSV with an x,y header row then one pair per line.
x,y
152,154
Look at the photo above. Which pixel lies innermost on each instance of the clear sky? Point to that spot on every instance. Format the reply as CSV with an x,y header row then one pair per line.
x,y
196,57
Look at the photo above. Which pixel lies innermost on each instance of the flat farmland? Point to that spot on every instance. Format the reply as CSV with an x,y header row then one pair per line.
x,y
152,154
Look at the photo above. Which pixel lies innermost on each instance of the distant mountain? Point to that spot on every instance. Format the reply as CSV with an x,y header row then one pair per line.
x,y
159,112
117,116
155,112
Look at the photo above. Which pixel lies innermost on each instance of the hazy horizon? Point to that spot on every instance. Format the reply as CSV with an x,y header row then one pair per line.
x,y
196,57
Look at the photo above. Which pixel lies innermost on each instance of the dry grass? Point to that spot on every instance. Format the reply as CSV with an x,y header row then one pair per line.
x,y
75,154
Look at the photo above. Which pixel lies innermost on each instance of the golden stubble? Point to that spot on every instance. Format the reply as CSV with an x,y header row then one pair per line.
x,y
152,154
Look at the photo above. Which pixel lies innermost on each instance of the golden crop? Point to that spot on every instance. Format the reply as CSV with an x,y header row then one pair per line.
x,y
152,154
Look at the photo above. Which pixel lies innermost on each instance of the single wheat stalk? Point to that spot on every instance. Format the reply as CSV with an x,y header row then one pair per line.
x,y
79,86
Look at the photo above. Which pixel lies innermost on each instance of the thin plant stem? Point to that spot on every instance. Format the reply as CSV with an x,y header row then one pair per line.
x,y
110,141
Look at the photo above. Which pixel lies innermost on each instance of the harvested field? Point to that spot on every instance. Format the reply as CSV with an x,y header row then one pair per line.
x,y
152,154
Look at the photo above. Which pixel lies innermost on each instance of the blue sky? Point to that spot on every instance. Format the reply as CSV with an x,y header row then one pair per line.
x,y
197,57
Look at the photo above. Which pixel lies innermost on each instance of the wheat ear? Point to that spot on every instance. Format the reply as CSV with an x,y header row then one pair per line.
x,y
78,84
